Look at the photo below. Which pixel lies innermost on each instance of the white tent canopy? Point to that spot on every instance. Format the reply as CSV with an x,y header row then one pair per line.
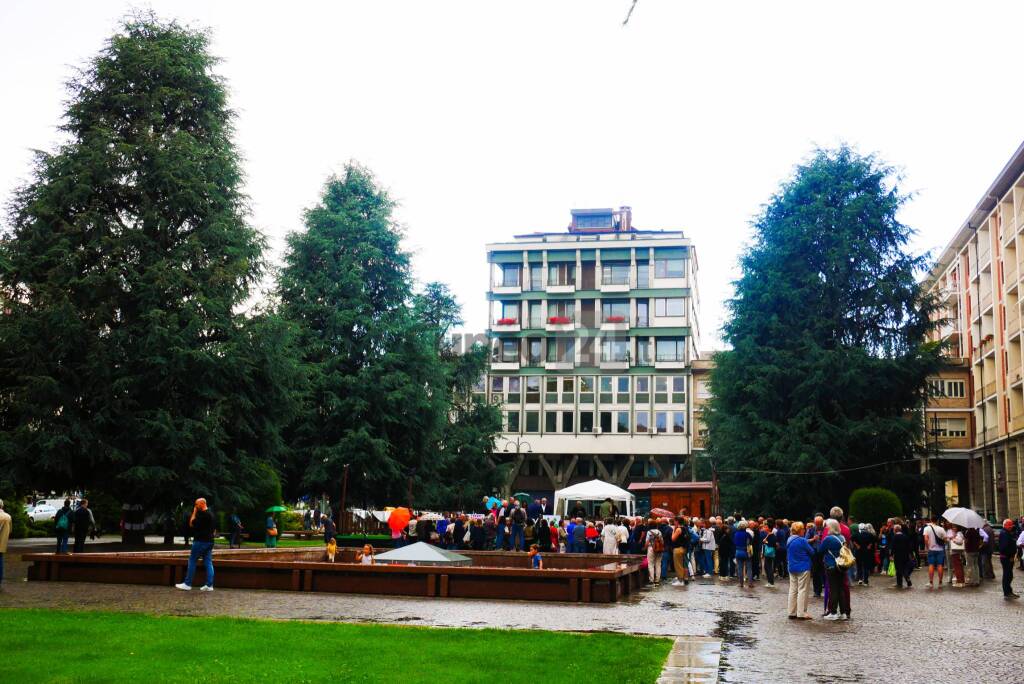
x,y
594,490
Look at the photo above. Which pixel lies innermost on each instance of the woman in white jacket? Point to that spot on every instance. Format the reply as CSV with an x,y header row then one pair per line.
x,y
708,546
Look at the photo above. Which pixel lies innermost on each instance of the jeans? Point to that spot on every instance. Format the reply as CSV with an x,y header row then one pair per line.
x,y
708,561
499,540
1007,564
518,537
665,557
799,583
769,571
199,550
62,542
236,539
743,570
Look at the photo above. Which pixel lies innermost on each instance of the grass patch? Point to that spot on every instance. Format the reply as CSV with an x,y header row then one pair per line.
x,y
104,646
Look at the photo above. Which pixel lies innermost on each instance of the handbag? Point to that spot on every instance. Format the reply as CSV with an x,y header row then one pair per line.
x,y
465,537
845,559
891,570
272,531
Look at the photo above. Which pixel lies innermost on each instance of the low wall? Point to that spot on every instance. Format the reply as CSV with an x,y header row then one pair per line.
x,y
494,574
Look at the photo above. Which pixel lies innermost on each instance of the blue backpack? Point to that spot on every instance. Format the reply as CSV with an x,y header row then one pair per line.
x,y
63,521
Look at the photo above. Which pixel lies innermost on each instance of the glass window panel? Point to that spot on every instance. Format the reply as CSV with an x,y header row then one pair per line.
x,y
532,390
510,275
497,385
622,386
678,422
642,421
669,268
622,421
641,312
661,421
614,311
642,384
567,384
643,351
532,421
615,273
643,274
567,421
606,421
535,351
512,422
586,421
550,421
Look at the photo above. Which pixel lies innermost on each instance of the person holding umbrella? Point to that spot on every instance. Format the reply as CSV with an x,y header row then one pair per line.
x,y
270,540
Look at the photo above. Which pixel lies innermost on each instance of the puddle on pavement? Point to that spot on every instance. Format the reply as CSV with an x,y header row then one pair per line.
x,y
732,628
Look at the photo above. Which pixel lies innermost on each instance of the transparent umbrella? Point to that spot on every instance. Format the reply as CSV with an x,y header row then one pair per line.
x,y
964,517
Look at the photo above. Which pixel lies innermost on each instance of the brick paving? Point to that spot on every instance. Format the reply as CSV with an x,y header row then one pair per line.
x,y
913,636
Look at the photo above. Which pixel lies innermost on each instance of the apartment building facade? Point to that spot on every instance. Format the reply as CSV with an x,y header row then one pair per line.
x,y
977,410
593,333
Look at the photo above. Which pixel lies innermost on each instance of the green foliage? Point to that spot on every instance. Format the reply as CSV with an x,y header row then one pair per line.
x,y
264,492
827,329
874,505
385,396
289,520
20,523
109,647
124,361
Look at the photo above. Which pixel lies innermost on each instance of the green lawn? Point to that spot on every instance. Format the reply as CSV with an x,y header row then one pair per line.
x,y
119,647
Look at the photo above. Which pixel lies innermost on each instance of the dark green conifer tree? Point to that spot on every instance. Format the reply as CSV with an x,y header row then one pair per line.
x,y
829,358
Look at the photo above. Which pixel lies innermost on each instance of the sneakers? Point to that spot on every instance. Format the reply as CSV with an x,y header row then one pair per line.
x,y
771,584
845,616
832,617
183,587
205,587
860,583
676,583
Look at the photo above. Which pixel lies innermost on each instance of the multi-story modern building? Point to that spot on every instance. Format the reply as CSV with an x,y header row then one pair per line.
x,y
978,414
593,333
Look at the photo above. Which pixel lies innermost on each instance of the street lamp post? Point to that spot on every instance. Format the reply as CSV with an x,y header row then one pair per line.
x,y
521,446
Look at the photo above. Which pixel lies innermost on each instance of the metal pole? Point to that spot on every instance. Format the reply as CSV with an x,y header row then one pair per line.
x,y
344,491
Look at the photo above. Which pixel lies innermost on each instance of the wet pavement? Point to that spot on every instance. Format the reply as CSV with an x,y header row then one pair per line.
x,y
895,636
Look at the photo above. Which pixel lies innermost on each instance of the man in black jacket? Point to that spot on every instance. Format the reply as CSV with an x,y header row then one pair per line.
x,y
1007,551
202,526
84,524
903,551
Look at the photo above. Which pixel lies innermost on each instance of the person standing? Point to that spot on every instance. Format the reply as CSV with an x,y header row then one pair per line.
x,y
799,558
518,528
477,534
708,546
770,546
988,542
330,529
972,545
5,534
741,542
654,546
607,509
726,548
202,527
838,599
1007,546
63,522
270,533
935,545
956,556
84,524
535,511
903,550
610,537
680,544
813,536
237,528
864,551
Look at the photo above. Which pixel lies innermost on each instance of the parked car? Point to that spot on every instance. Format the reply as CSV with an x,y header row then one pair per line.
x,y
42,512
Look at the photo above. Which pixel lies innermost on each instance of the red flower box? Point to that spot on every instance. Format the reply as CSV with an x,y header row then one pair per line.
x,y
507,321
559,320
615,319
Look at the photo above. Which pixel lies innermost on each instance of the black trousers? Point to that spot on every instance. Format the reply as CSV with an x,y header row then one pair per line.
x,y
818,574
79,543
903,570
838,599
1007,564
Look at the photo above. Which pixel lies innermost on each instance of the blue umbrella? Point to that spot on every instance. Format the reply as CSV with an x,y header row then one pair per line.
x,y
493,503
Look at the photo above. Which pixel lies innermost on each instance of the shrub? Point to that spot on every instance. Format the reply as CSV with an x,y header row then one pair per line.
x,y
289,520
14,506
874,505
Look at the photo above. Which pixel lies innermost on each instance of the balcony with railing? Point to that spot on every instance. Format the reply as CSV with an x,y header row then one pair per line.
x,y
560,321
506,324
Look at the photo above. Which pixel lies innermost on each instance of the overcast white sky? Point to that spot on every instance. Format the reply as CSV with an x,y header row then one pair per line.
x,y
488,119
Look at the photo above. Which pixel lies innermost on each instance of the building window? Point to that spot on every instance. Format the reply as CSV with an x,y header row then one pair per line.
x,y
586,391
661,390
568,389
536,277
661,422
567,421
532,421
642,319
480,386
614,390
497,385
551,391
561,350
614,351
561,312
594,221
672,306
956,389
512,421
678,422
510,275
935,387
550,421
670,348
606,421
643,351
532,390
951,427
643,274
563,273
642,421
606,390
679,389
615,273
643,389
534,345
622,422
669,268
536,315
615,311
514,390
506,351
586,421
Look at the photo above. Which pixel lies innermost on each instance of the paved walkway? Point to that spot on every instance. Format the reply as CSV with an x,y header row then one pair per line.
x,y
895,636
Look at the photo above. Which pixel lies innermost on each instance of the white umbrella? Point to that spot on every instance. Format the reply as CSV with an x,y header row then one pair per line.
x,y
964,517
